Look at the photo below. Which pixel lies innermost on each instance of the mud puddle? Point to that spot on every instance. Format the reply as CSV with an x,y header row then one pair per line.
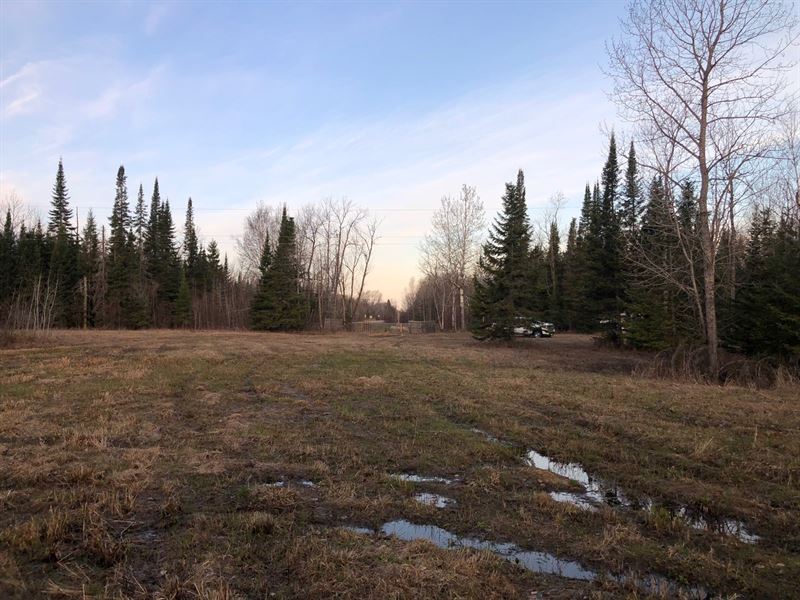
x,y
534,561
597,492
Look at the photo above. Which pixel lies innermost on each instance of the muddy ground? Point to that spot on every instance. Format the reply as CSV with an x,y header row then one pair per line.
x,y
164,464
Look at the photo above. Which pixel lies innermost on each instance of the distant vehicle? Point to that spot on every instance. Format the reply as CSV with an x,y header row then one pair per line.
x,y
530,328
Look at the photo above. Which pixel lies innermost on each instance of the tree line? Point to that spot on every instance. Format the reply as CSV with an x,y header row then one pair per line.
x,y
295,273
631,266
132,274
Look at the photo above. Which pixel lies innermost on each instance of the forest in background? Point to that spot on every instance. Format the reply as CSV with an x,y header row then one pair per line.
x,y
689,237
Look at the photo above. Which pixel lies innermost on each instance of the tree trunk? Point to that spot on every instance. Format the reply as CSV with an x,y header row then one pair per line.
x,y
461,303
706,241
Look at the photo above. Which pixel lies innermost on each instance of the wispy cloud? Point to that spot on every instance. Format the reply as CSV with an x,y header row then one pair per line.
x,y
155,16
21,104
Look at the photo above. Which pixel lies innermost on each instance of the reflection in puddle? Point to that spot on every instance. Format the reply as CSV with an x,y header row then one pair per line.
x,y
434,500
598,491
579,500
413,478
538,562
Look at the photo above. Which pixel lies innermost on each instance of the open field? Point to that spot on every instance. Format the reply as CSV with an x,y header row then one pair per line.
x,y
224,465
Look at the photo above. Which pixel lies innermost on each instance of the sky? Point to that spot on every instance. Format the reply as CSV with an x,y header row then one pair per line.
x,y
392,105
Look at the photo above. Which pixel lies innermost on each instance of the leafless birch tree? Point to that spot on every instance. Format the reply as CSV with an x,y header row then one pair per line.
x,y
451,249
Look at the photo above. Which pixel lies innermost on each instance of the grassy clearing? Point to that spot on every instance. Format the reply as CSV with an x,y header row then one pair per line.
x,y
144,464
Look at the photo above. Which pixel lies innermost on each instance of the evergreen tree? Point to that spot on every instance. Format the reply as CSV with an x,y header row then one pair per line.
x,y
502,281
169,272
62,255
766,315
122,268
214,266
140,222
266,257
631,208
555,277
609,285
190,248
571,279
90,266
151,251
60,211
650,325
8,262
279,303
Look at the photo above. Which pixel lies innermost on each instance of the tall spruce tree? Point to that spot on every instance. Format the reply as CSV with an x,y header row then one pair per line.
x,y
8,262
122,267
555,277
90,267
279,303
502,280
660,311
61,254
140,222
60,211
631,205
766,315
571,278
610,288
191,252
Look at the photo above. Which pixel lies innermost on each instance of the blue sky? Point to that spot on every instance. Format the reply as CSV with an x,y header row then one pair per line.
x,y
390,104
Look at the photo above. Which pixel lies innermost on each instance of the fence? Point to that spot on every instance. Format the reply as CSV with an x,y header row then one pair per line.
x,y
375,327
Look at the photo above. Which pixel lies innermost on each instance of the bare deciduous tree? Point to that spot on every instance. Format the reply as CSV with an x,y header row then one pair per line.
x,y
706,75
451,249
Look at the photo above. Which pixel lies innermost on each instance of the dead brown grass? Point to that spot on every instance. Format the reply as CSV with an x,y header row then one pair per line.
x,y
139,464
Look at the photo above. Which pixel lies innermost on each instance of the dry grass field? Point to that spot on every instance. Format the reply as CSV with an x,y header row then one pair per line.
x,y
167,464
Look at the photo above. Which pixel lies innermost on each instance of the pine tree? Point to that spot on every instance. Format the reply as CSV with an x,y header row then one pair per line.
x,y
169,272
140,221
502,281
766,314
610,289
90,266
652,324
214,265
151,250
555,277
631,206
571,277
122,270
62,255
60,211
190,248
279,303
8,262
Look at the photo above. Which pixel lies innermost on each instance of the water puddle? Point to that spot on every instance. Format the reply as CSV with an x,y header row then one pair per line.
x,y
597,491
434,500
579,500
537,562
413,478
